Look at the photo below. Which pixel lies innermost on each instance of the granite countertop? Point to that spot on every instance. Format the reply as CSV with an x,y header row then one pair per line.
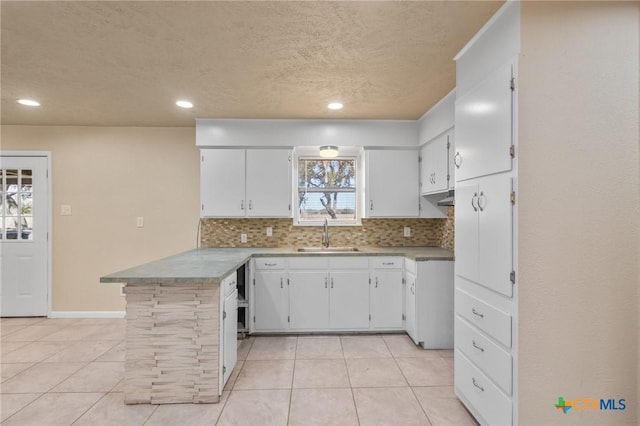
x,y
210,265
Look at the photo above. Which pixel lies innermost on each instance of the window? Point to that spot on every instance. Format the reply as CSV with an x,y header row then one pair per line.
x,y
327,188
16,204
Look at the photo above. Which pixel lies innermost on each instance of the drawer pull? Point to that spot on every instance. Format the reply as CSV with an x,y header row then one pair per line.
x,y
474,312
473,379
388,263
475,345
281,283
269,264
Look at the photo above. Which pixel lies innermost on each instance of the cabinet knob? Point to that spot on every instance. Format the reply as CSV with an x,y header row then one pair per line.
x,y
457,160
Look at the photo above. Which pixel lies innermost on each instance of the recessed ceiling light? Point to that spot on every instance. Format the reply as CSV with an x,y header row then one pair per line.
x,y
28,102
184,104
335,105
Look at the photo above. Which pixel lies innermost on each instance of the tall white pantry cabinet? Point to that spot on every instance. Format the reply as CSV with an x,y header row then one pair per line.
x,y
486,176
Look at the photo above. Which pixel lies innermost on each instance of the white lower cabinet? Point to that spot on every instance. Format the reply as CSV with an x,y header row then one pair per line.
x,y
228,354
429,307
270,300
387,293
347,293
349,300
308,300
410,325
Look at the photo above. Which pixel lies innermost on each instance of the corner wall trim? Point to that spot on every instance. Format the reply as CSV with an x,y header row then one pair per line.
x,y
87,314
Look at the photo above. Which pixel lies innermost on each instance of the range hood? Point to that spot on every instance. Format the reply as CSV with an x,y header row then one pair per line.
x,y
449,200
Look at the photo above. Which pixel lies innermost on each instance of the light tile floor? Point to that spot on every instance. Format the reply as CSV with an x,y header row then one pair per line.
x,y
70,372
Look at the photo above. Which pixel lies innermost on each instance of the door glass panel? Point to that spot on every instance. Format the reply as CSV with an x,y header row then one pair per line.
x,y
26,205
16,204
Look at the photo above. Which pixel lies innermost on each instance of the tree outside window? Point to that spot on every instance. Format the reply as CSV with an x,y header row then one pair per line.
x,y
327,189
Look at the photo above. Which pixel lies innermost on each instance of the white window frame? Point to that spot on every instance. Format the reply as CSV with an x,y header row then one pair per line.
x,y
347,153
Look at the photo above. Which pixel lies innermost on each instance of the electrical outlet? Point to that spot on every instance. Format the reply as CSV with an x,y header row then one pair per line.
x,y
243,238
65,210
123,292
140,222
269,231
407,231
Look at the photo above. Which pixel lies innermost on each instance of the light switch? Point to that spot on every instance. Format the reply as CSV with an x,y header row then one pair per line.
x,y
140,222
65,210
407,231
269,231
243,238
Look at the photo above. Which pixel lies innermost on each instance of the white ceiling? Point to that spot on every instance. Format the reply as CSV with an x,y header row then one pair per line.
x,y
125,63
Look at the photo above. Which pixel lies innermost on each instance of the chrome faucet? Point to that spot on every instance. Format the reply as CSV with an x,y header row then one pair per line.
x,y
325,234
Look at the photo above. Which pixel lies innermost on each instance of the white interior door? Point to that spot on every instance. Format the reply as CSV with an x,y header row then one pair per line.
x,y
24,229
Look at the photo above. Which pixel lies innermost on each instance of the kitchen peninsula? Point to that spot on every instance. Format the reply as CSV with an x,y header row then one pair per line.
x,y
175,315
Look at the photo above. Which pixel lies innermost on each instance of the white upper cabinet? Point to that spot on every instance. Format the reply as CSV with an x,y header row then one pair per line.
x,y
268,183
434,167
392,184
484,232
245,183
222,182
483,126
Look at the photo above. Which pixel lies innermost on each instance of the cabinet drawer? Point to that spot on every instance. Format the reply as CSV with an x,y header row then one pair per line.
x,y
229,283
303,262
493,405
382,262
492,321
489,357
410,265
269,262
349,262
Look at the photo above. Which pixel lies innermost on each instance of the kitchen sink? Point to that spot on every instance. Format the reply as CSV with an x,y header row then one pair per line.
x,y
327,249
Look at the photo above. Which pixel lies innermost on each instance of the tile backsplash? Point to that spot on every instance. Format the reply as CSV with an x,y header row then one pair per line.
x,y
373,232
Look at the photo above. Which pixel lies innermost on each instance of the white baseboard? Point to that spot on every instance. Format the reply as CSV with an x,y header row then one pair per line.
x,y
87,314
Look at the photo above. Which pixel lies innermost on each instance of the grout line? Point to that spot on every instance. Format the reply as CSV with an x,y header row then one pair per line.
x,y
37,398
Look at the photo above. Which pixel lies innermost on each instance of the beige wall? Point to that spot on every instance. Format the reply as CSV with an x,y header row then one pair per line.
x,y
109,176
579,209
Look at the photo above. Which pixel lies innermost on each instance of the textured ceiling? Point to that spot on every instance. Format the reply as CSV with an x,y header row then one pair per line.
x,y
126,63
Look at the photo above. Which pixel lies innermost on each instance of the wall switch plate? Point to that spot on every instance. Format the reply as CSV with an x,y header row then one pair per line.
x,y
123,292
269,231
140,222
65,210
243,238
407,231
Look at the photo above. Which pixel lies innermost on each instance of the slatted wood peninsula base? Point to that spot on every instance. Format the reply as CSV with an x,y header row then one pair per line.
x,y
172,343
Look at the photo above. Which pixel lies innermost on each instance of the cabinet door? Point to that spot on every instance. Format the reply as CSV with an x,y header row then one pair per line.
x,y
495,233
268,183
437,166
222,182
483,127
230,335
308,300
451,153
386,299
410,324
271,307
466,235
392,188
349,300
425,168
